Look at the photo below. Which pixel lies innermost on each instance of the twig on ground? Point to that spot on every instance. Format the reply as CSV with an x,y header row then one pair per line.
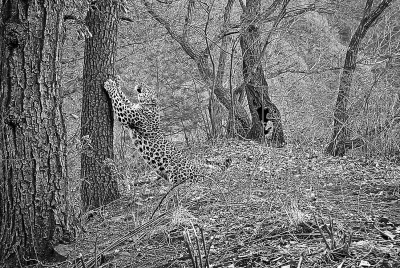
x,y
80,257
300,261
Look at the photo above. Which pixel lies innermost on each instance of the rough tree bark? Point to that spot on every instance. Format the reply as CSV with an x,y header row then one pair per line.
x,y
98,186
340,141
33,185
255,83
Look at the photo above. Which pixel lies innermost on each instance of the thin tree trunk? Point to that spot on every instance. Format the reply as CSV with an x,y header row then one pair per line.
x,y
98,186
231,128
255,83
33,175
340,142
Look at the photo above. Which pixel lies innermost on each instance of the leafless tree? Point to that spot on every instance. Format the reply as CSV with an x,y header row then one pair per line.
x,y
340,140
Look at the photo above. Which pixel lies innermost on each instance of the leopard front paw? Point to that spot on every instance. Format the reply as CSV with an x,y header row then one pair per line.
x,y
110,85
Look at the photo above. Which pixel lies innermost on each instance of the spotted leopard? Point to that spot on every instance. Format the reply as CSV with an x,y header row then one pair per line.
x,y
144,122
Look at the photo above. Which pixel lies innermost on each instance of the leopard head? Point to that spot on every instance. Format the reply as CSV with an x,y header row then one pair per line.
x,y
146,96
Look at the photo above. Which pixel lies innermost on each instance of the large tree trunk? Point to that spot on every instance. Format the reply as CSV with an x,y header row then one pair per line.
x,y
340,142
33,183
98,186
255,83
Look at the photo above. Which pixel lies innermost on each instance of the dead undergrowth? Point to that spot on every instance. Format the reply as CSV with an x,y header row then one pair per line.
x,y
273,207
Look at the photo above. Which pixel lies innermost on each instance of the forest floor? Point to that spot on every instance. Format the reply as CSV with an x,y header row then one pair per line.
x,y
288,207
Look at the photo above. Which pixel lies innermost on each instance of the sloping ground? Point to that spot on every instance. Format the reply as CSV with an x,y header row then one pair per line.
x,y
271,208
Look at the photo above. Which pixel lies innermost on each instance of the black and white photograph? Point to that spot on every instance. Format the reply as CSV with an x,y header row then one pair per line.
x,y
200,133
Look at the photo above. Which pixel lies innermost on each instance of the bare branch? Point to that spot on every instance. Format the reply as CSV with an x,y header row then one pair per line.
x,y
224,45
373,16
368,6
270,10
74,18
242,5
123,18
306,72
70,17
167,2
188,17
233,27
276,23
207,51
183,42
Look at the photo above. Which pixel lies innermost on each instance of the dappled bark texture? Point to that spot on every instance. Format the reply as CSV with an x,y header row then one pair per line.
x,y
340,142
255,83
33,184
98,186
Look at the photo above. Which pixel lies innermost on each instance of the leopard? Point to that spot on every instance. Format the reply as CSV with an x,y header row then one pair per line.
x,y
143,117
143,121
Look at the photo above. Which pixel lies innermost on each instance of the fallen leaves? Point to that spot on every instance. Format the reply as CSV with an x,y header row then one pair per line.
x,y
258,213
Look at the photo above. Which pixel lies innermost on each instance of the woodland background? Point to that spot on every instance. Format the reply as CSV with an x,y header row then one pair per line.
x,y
294,200
302,64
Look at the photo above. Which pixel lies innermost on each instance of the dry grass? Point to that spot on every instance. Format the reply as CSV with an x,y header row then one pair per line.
x,y
271,208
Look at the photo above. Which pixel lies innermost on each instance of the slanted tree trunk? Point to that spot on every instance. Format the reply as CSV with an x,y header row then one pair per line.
x,y
98,186
340,142
33,185
256,85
